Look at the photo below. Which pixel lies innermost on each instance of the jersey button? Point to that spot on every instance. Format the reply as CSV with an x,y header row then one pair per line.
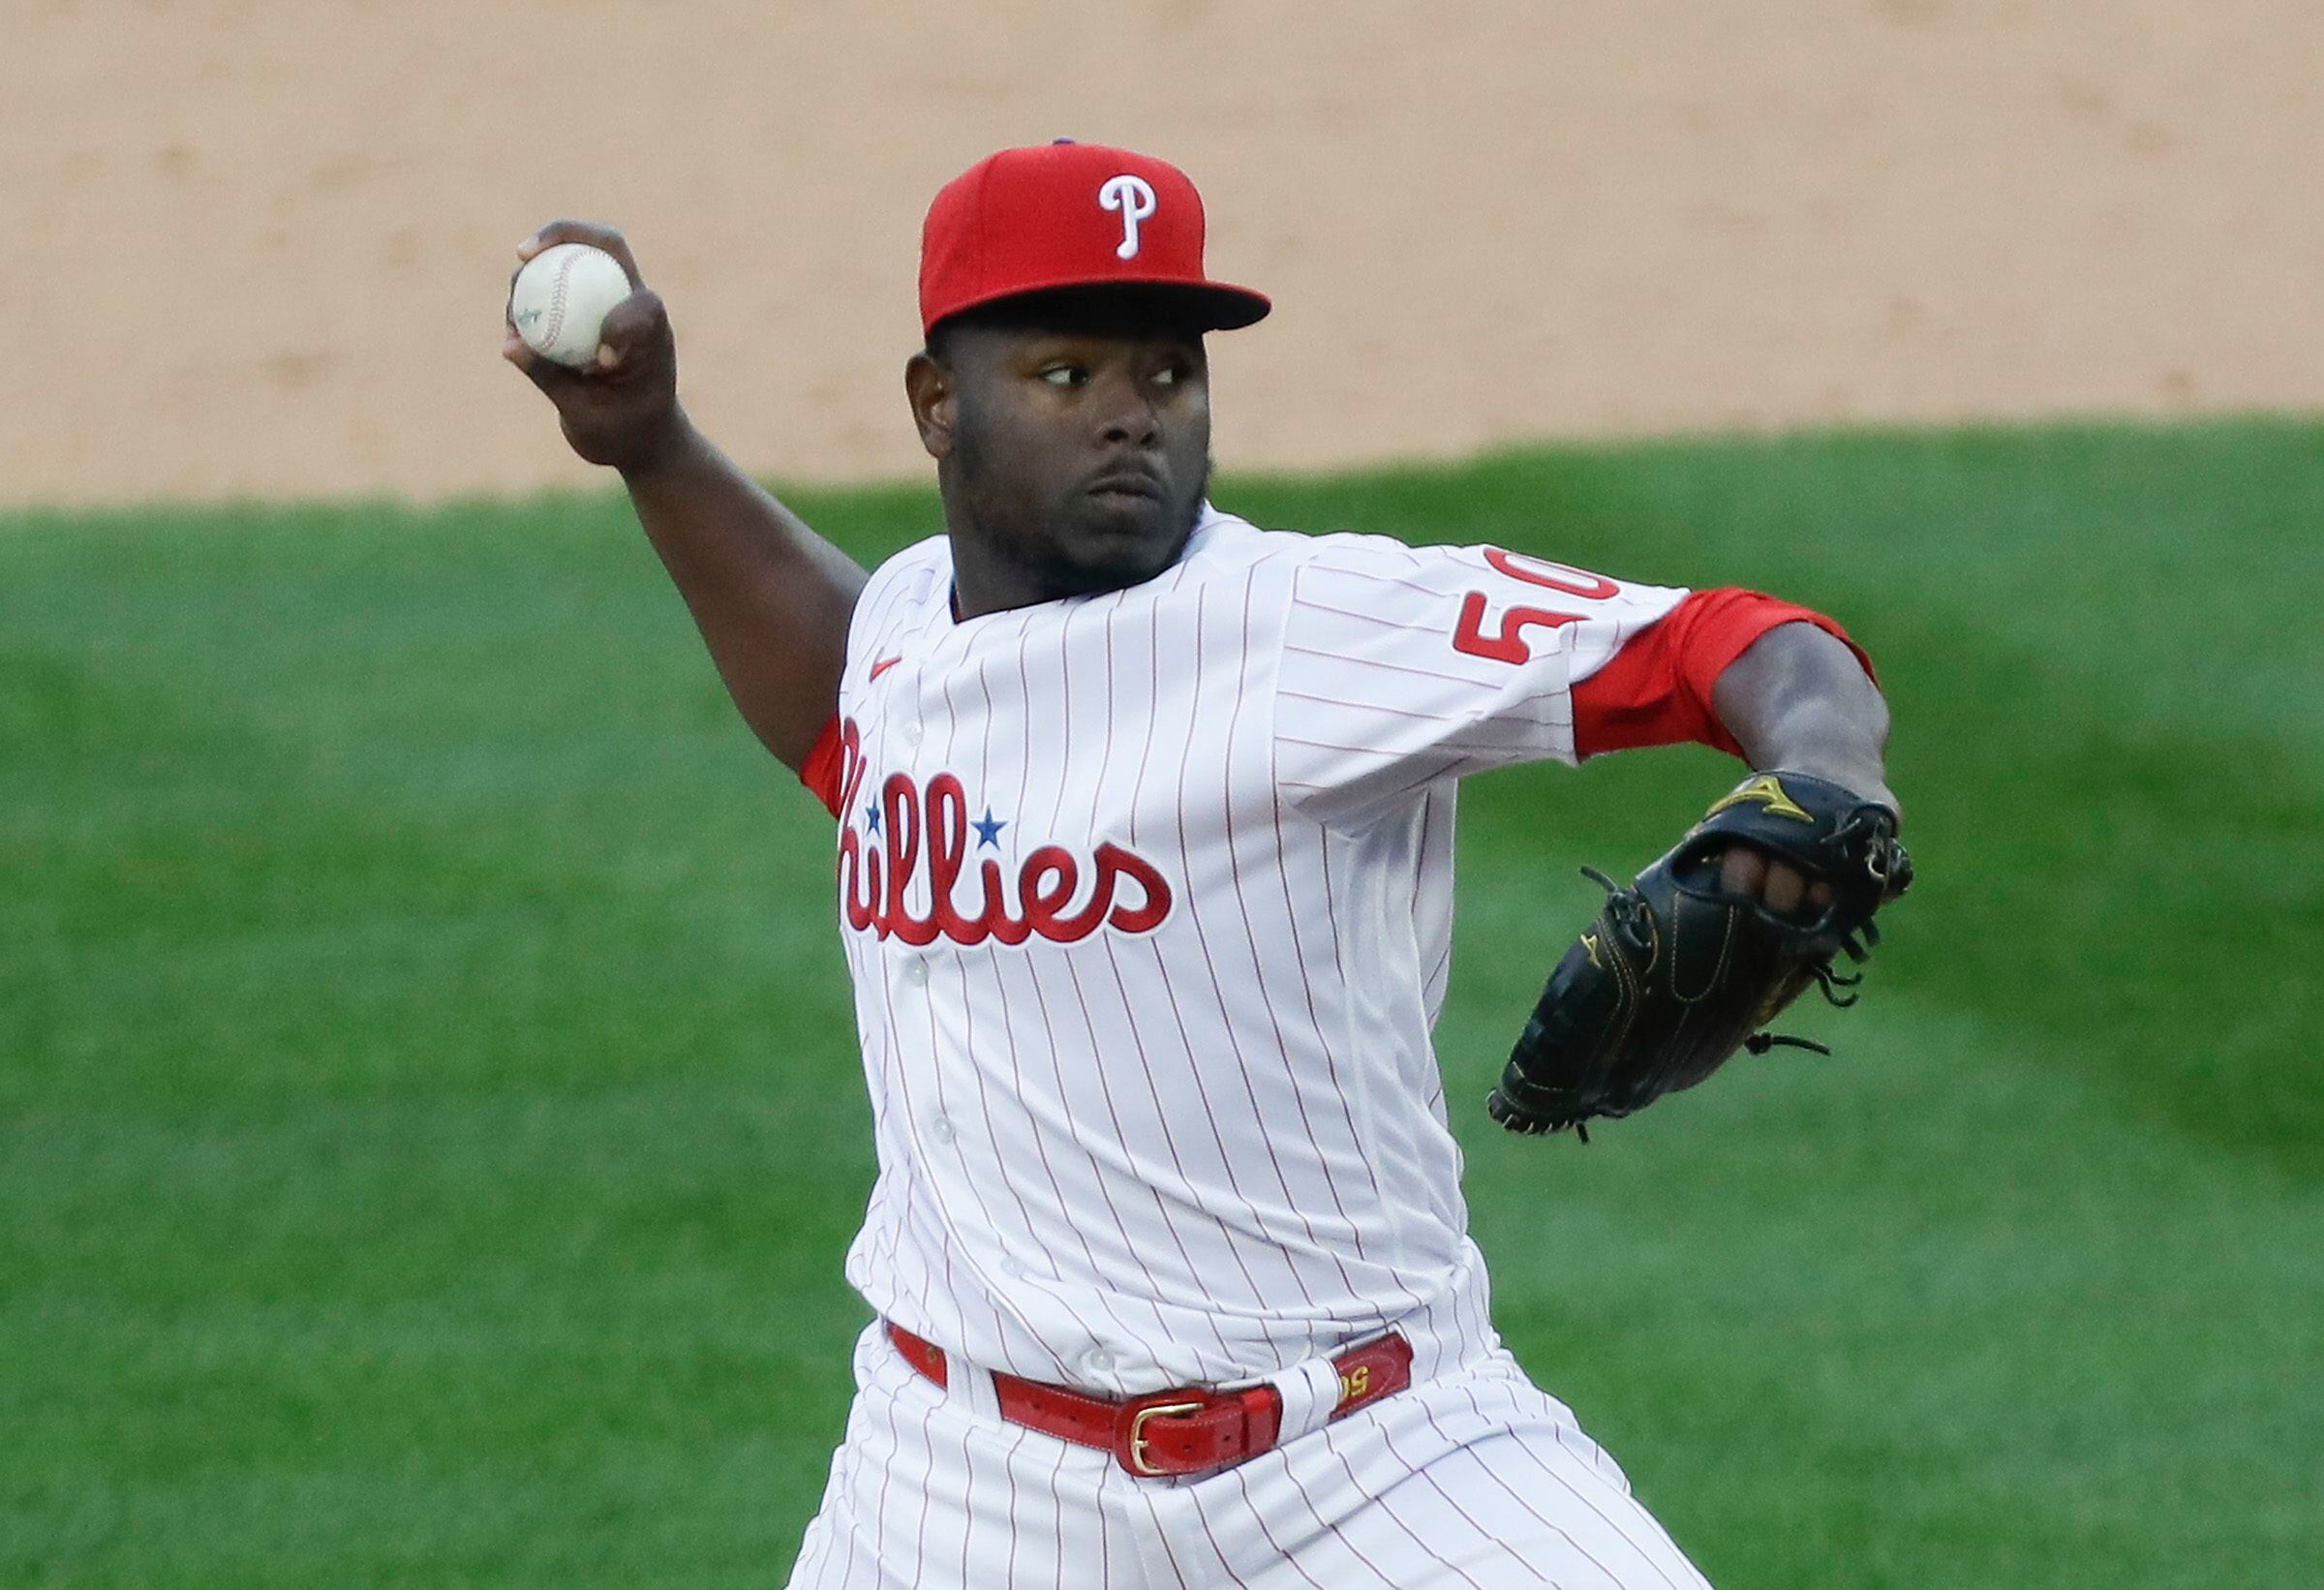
x,y
915,972
1097,1360
942,1129
912,731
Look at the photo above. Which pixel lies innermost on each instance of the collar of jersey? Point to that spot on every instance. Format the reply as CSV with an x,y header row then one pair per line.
x,y
1205,520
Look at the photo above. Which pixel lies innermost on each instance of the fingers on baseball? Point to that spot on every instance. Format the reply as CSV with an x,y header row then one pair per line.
x,y
633,327
592,233
514,350
630,327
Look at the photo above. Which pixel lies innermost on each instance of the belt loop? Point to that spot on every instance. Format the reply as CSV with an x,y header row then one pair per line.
x,y
1310,1391
969,1387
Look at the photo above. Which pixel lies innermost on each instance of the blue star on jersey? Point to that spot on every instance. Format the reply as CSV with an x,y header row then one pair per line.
x,y
987,827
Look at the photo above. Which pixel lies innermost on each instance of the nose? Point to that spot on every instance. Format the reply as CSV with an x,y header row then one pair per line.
x,y
1126,415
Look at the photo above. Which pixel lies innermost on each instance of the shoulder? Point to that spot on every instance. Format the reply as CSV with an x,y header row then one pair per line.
x,y
1378,583
1225,544
1340,552
902,591
919,563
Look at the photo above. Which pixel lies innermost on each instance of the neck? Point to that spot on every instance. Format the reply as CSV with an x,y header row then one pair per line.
x,y
993,573
983,582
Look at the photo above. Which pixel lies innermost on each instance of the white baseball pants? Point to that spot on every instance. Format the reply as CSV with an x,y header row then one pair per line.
x,y
1471,1480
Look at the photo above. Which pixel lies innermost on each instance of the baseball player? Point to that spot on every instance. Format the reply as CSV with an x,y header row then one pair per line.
x,y
1144,867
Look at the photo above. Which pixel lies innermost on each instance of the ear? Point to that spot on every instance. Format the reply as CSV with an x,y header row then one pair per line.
x,y
935,397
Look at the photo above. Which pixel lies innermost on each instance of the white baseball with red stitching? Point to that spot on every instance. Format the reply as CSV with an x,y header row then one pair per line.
x,y
561,298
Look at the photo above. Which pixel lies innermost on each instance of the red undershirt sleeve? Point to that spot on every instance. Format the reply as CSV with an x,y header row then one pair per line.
x,y
1657,690
821,772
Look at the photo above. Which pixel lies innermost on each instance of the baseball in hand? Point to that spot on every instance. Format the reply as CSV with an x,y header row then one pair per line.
x,y
561,298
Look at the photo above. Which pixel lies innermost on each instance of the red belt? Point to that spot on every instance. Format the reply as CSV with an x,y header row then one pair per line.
x,y
1188,1431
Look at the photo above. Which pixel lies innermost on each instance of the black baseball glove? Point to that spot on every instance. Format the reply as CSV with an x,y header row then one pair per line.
x,y
1675,975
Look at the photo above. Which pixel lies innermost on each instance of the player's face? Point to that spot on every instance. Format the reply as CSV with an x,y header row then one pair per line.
x,y
1072,451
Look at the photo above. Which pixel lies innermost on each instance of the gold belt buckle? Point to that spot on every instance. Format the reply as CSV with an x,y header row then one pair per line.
x,y
1136,1445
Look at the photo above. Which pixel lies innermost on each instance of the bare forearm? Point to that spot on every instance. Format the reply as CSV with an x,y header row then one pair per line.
x,y
771,598
1799,700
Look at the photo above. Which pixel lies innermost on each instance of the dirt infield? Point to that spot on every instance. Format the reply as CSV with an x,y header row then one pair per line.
x,y
258,246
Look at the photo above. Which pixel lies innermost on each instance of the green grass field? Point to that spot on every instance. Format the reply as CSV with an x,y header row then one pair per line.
x,y
429,1121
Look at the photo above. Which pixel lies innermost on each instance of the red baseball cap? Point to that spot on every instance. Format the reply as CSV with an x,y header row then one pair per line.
x,y
1069,214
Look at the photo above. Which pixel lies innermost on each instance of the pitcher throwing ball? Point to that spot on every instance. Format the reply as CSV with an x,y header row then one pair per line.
x,y
1144,873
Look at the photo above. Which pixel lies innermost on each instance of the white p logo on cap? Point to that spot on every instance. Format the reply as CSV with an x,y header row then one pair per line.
x,y
1134,198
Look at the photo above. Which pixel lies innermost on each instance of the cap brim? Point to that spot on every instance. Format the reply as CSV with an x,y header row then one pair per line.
x,y
1200,306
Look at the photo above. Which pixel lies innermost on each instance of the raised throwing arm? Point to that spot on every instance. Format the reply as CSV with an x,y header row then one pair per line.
x,y
771,598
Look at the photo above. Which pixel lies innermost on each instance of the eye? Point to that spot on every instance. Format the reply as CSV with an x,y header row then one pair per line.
x,y
1066,375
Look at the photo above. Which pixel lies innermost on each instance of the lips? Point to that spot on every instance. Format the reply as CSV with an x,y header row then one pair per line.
x,y
1142,483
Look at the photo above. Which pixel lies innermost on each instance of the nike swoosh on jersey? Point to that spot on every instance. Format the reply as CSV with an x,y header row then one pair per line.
x,y
884,664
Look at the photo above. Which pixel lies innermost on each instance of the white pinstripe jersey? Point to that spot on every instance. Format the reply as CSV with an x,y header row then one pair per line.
x,y
1147,900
